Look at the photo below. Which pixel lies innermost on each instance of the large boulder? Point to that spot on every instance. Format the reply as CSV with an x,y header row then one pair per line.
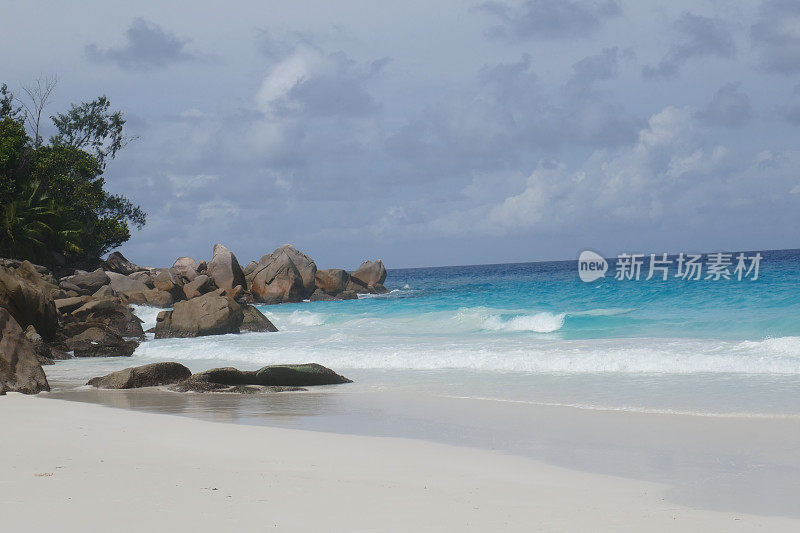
x,y
122,283
185,267
145,277
151,375
151,297
28,302
368,278
68,305
254,320
99,340
167,280
44,352
332,280
20,369
200,285
304,264
86,282
215,313
225,270
298,375
112,313
277,280
117,263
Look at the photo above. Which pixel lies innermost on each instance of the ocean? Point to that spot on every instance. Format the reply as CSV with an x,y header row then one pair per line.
x,y
535,333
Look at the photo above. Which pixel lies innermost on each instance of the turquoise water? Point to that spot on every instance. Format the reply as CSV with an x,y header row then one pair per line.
x,y
536,333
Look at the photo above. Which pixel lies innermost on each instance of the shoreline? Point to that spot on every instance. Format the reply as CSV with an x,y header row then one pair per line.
x,y
137,470
722,464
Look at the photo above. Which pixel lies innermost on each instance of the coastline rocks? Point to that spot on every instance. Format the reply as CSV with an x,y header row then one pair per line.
x,y
227,379
142,376
298,375
122,283
277,280
368,278
214,313
185,267
99,340
332,280
166,280
145,277
272,378
304,264
151,297
112,313
117,263
20,369
86,282
29,303
200,285
254,320
224,269
68,305
322,296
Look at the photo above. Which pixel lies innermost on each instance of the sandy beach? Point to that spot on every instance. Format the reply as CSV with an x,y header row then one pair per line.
x,y
72,466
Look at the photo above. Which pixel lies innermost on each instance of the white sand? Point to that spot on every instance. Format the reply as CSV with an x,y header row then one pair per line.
x,y
67,466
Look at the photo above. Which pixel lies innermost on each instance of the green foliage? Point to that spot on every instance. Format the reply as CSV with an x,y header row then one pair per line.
x,y
8,109
34,222
91,126
53,197
13,158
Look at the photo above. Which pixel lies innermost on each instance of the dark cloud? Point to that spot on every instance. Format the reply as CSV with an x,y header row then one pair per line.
x,y
791,111
730,107
697,37
775,35
548,19
147,47
602,66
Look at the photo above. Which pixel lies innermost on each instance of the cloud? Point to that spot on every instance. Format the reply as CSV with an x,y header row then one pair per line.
x,y
775,35
698,36
147,47
598,67
548,19
730,107
307,80
791,111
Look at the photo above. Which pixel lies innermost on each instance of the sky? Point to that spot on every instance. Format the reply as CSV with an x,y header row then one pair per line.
x,y
436,133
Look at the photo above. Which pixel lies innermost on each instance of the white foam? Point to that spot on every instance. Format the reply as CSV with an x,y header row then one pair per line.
x,y
539,323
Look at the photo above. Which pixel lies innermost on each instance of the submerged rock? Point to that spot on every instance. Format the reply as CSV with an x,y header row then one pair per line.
x,y
227,379
299,375
143,376
20,369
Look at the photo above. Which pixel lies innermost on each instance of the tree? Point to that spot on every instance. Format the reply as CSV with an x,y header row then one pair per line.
x,y
52,196
93,127
75,177
33,223
14,156
8,108
38,97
